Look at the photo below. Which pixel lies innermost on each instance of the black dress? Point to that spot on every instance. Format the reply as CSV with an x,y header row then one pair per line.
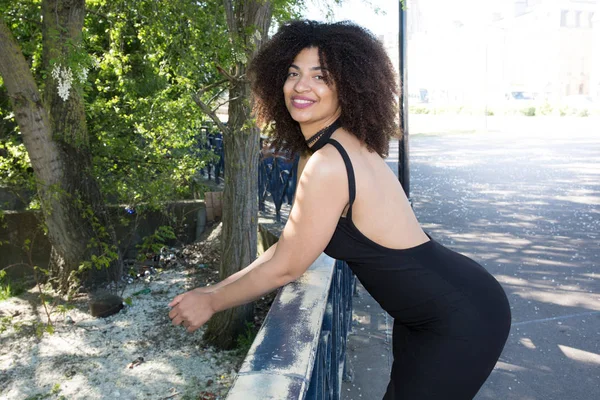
x,y
451,317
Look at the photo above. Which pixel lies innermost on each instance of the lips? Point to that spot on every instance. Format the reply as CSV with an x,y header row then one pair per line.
x,y
302,102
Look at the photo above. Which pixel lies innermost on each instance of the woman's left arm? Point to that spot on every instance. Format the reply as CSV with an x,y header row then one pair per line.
x,y
321,195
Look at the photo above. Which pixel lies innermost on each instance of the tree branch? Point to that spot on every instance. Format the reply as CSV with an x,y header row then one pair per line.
x,y
14,265
216,95
204,107
33,21
229,77
211,86
225,102
106,17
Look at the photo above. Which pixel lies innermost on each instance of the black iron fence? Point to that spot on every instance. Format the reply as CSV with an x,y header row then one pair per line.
x,y
276,172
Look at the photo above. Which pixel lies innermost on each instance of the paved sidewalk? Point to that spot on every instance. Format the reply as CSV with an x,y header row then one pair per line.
x,y
369,349
526,205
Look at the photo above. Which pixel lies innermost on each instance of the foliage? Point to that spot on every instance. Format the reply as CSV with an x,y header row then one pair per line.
x,y
9,288
153,243
24,20
53,306
146,61
544,109
144,125
16,173
419,110
5,322
541,109
245,340
528,111
55,391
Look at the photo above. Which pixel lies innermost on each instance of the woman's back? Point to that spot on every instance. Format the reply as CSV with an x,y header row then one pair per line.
x,y
381,210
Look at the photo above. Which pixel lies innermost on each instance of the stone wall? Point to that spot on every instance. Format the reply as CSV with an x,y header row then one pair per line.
x,y
14,201
188,219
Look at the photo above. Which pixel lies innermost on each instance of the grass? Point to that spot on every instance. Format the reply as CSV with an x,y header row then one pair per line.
x,y
9,288
245,340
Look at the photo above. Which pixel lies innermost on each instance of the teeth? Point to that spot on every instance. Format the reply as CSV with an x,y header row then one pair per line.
x,y
302,101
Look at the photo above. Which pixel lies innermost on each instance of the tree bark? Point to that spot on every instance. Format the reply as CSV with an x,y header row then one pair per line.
x,y
241,145
55,136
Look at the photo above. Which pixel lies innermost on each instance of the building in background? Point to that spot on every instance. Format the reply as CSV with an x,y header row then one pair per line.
x,y
485,53
478,53
595,70
550,46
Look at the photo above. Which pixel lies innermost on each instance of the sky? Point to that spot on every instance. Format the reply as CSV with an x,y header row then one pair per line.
x,y
385,20
379,16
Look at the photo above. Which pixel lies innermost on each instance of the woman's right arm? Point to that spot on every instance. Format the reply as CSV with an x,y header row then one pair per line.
x,y
266,256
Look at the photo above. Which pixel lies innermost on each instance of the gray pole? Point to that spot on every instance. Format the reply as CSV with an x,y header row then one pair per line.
x,y
403,167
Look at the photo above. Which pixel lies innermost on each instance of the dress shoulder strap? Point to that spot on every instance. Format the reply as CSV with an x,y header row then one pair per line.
x,y
349,171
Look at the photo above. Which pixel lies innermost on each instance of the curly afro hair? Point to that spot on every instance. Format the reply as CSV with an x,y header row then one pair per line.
x,y
356,62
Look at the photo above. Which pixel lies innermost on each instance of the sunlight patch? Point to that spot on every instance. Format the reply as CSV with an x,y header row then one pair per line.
x,y
580,355
509,367
527,343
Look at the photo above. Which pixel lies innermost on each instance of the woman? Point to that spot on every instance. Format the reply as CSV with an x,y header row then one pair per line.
x,y
330,91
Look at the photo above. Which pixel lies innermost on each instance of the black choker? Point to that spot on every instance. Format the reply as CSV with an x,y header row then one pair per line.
x,y
320,139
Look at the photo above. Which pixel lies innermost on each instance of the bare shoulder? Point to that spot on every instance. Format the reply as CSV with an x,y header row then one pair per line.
x,y
326,166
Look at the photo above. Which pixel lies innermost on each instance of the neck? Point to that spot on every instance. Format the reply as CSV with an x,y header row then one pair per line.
x,y
309,130
321,138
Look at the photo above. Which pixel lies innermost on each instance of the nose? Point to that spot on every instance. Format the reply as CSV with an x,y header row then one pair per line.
x,y
302,84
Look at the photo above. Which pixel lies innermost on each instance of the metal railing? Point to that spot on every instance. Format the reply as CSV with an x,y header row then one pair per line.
x,y
214,142
276,172
299,352
277,176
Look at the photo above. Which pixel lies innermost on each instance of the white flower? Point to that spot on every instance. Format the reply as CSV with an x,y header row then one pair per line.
x,y
64,78
82,75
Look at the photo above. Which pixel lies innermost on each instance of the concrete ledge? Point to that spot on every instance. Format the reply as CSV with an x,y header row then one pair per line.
x,y
280,362
267,387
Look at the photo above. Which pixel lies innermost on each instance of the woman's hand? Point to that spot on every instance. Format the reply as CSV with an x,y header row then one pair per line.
x,y
191,309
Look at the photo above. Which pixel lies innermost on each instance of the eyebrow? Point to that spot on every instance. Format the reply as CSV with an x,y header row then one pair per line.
x,y
312,69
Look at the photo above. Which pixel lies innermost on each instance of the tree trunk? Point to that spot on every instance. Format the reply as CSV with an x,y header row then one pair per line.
x,y
241,143
55,136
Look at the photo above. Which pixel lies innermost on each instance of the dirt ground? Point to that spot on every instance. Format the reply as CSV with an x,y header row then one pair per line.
x,y
134,354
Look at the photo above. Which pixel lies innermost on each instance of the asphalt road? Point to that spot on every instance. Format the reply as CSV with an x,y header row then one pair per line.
x,y
526,205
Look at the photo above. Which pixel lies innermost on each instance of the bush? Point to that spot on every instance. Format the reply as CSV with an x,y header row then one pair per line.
x,y
418,110
528,111
544,109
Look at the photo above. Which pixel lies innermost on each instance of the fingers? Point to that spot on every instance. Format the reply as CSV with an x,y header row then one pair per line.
x,y
177,320
183,313
193,327
176,300
177,317
186,324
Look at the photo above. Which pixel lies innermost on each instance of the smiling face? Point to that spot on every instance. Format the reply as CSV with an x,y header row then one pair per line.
x,y
310,101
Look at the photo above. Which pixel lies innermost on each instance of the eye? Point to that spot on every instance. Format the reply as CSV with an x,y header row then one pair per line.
x,y
319,77
292,74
